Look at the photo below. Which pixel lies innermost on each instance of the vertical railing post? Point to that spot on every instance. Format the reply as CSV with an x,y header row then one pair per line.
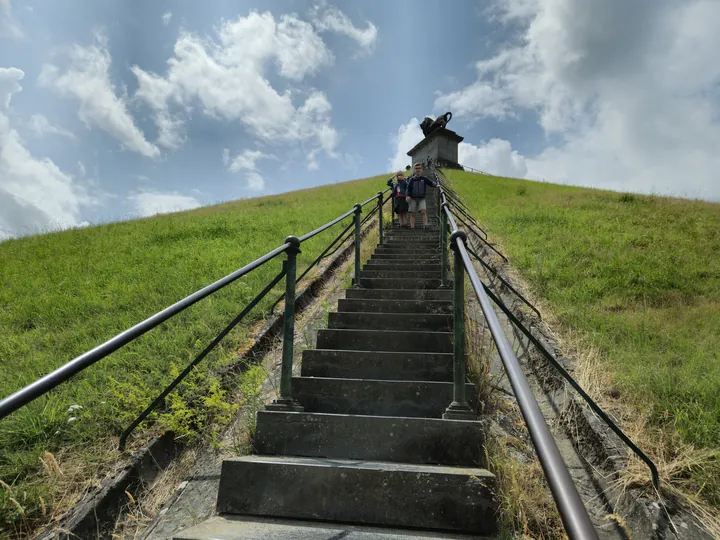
x,y
380,215
438,197
285,401
443,248
358,212
459,408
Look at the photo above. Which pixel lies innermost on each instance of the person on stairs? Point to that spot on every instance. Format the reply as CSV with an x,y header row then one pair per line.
x,y
416,185
399,192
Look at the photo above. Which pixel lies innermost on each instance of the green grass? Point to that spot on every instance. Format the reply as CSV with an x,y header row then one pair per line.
x,y
638,276
62,294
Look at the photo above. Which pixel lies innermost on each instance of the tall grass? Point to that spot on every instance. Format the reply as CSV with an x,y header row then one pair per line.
x,y
62,294
638,277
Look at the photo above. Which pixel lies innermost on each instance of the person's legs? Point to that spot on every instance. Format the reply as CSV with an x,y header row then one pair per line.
x,y
412,209
422,205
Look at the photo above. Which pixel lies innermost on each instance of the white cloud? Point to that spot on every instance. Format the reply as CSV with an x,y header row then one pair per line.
x,y
226,76
330,18
629,91
9,84
226,156
9,27
81,168
149,203
247,161
40,126
408,135
88,79
255,181
35,195
494,157
166,18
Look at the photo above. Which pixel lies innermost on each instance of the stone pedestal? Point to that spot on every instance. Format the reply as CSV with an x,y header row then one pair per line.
x,y
441,146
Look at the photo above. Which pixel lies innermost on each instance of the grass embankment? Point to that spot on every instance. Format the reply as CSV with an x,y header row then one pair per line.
x,y
64,293
635,277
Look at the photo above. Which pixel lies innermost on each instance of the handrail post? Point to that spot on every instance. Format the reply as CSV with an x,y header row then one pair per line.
x,y
443,249
358,211
380,216
459,408
285,401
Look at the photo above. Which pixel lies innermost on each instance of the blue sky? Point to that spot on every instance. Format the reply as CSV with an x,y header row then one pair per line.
x,y
111,110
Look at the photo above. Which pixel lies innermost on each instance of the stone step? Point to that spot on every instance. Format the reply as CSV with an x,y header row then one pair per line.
x,y
399,273
408,248
434,322
416,399
384,340
394,306
432,243
363,492
401,265
400,294
433,258
404,366
399,283
229,527
428,441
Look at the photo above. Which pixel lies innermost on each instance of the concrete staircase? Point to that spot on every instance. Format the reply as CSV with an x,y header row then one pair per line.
x,y
370,456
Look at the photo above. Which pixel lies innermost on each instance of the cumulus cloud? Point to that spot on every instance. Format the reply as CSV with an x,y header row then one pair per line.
x,y
166,18
495,156
328,18
40,126
9,27
35,194
101,105
247,161
628,91
226,75
9,84
149,203
407,136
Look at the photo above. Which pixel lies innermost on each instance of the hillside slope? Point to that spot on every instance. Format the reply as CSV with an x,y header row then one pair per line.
x,y
64,293
636,278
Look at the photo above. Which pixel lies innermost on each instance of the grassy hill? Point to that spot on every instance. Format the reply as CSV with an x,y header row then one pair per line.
x,y
62,294
636,278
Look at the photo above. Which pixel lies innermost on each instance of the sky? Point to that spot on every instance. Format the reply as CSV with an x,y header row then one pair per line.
x,y
115,110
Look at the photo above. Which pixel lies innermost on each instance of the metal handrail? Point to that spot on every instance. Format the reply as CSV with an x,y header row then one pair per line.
x,y
591,403
563,372
567,499
32,391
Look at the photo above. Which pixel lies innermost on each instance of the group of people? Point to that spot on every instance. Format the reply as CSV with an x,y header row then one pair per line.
x,y
409,196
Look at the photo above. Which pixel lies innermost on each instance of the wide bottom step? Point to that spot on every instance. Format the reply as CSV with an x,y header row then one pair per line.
x,y
252,528
362,492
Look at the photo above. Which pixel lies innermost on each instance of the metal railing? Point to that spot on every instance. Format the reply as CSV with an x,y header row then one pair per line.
x,y
654,475
291,248
572,511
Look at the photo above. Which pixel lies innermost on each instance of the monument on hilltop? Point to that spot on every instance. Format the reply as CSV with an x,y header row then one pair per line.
x,y
440,145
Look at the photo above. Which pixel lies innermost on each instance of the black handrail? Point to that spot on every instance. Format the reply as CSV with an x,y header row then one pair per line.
x,y
32,391
594,406
158,400
488,244
570,506
505,282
